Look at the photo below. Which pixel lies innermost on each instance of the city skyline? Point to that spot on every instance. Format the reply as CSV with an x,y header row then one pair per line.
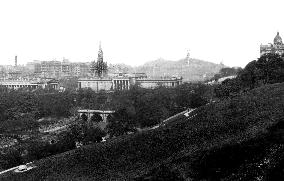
x,y
136,32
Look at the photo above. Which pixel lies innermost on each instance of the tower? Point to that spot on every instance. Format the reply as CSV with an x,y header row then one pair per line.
x,y
99,68
188,57
16,61
100,54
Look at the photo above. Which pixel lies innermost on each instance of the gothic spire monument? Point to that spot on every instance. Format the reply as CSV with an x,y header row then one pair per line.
x,y
99,68
100,54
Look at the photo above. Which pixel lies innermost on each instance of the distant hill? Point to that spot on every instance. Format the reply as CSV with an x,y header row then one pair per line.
x,y
120,68
235,139
195,70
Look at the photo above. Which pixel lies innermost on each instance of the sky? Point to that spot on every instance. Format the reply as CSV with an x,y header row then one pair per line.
x,y
136,31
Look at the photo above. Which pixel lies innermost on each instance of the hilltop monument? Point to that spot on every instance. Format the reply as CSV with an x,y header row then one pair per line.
x,y
188,57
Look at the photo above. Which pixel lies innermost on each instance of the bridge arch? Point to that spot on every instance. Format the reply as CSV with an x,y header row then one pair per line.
x,y
91,112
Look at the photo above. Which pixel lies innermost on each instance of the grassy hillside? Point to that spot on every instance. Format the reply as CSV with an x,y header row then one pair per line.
x,y
236,138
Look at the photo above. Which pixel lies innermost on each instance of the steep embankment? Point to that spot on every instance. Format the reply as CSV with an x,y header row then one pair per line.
x,y
220,140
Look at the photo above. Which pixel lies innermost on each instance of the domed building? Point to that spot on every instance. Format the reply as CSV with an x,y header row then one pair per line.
x,y
277,46
278,39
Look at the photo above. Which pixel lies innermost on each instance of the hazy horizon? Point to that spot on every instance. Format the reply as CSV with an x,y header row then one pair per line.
x,y
135,32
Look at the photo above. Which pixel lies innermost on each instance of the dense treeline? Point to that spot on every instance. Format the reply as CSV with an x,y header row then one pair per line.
x,y
268,69
146,106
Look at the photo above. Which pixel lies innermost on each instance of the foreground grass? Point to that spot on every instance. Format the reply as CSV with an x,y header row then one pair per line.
x,y
223,138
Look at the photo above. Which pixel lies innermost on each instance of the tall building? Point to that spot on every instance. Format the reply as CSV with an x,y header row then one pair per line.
x,y
277,46
65,67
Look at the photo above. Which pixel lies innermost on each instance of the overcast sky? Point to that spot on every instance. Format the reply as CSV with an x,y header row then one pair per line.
x,y
133,32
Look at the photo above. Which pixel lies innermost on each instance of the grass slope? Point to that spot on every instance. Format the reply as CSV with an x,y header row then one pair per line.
x,y
221,141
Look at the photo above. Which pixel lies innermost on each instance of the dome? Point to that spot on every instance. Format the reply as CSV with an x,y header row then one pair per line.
x,y
278,39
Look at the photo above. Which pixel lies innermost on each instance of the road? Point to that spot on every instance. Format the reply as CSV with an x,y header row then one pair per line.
x,y
17,170
185,114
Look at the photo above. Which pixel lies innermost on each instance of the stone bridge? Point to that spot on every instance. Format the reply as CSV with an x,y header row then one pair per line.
x,y
90,112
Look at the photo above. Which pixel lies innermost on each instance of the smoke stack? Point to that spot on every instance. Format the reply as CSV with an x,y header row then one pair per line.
x,y
16,61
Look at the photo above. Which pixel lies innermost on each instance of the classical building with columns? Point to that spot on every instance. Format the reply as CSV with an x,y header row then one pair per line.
x,y
277,46
101,80
30,84
124,83
106,83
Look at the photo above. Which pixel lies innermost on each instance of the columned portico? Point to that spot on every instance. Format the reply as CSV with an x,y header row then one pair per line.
x,y
121,84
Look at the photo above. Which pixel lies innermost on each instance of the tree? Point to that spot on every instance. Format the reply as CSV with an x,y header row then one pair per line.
x,y
248,76
151,115
120,123
80,132
268,69
37,150
228,88
192,95
67,139
150,110
10,158
93,135
24,122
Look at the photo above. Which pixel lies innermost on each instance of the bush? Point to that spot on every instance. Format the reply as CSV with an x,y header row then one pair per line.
x,y
10,158
93,135
120,123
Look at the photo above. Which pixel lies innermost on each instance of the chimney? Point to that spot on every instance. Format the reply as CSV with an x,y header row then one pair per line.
x,y
16,61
